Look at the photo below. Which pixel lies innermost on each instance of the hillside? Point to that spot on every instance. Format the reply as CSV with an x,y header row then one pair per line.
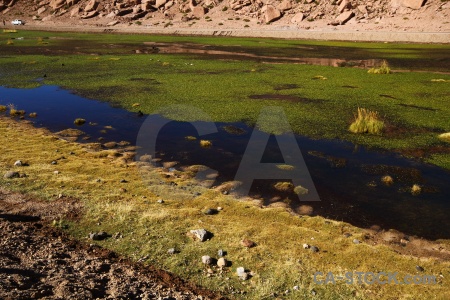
x,y
349,15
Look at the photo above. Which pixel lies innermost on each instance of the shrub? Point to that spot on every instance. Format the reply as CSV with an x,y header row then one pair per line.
x,y
79,121
225,8
15,112
205,143
416,189
387,180
367,121
9,42
383,69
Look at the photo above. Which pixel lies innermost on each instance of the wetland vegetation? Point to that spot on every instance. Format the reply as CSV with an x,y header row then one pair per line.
x,y
320,102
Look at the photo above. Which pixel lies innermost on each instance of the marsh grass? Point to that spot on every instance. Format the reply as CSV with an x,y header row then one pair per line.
x,y
321,104
79,121
284,186
15,112
367,121
445,136
149,229
205,143
387,180
416,189
383,69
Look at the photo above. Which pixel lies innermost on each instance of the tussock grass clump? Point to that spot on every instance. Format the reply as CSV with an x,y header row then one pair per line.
x,y
444,136
387,180
285,167
9,42
15,112
3,108
367,121
79,121
190,138
416,189
299,190
33,115
284,186
205,143
383,69
319,77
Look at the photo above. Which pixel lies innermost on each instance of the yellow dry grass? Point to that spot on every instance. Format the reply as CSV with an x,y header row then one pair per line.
x,y
149,228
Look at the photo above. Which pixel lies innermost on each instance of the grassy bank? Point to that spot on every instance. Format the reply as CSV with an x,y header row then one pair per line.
x,y
320,101
149,228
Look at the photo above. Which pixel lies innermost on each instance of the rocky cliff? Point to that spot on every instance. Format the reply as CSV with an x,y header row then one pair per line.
x,y
303,13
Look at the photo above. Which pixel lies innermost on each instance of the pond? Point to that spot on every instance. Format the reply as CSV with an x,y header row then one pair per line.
x,y
347,177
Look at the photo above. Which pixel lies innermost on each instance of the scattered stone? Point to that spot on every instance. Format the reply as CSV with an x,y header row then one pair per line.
x,y
356,241
344,17
221,253
295,288
219,208
420,269
123,181
98,236
171,251
241,273
113,23
314,249
414,4
207,260
160,201
285,5
211,211
11,174
347,234
248,243
297,18
92,5
306,246
18,163
222,262
117,236
54,162
271,13
201,234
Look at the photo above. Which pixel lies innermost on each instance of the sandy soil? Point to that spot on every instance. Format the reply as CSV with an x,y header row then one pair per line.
x,y
38,261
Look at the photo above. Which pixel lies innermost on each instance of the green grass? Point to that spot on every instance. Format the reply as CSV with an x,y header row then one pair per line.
x,y
413,106
149,229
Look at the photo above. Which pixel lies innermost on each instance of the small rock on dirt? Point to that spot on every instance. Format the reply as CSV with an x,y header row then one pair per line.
x,y
248,243
211,211
207,260
201,234
11,174
314,249
18,163
222,262
98,236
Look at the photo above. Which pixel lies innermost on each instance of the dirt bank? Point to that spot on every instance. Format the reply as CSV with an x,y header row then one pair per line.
x,y
39,261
